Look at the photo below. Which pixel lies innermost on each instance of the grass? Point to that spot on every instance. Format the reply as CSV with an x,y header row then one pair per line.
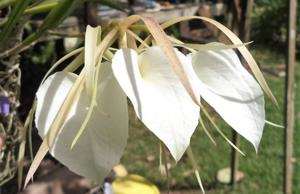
x,y
263,171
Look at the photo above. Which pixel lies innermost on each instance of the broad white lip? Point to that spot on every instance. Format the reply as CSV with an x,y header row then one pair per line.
x,y
102,143
159,99
227,86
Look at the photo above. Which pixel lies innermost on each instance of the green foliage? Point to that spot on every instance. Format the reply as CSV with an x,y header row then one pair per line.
x,y
14,17
58,11
270,3
269,23
5,3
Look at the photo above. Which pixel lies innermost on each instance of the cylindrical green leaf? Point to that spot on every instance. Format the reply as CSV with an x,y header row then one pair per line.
x,y
14,16
58,14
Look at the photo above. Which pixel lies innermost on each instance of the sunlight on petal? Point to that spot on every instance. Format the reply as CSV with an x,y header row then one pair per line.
x,y
159,99
227,86
102,143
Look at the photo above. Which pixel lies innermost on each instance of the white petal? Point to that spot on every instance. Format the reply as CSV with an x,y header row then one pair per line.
x,y
227,86
159,99
102,143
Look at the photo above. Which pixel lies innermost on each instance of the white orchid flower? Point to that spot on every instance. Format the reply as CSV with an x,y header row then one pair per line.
x,y
221,80
163,85
159,99
101,145
160,102
227,86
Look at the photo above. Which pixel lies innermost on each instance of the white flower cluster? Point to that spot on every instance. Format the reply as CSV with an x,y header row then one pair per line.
x,y
159,100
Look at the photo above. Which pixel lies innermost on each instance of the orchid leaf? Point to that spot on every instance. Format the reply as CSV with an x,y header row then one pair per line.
x,y
17,11
52,20
58,14
111,3
44,6
48,5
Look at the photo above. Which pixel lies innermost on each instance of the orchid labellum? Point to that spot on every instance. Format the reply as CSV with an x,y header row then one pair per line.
x,y
164,86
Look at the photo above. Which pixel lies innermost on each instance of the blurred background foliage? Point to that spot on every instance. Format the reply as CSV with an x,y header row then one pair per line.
x,y
269,25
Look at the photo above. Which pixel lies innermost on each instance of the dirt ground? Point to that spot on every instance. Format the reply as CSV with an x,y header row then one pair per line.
x,y
56,179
